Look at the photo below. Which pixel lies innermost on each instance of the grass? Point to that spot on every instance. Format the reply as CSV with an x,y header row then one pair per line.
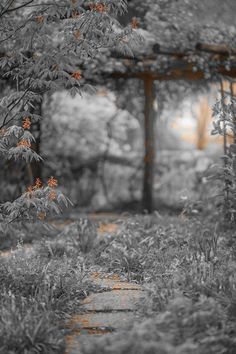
x,y
26,327
38,293
187,266
24,233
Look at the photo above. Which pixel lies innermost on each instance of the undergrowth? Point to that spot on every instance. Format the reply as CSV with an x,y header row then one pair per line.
x,y
38,293
186,264
188,267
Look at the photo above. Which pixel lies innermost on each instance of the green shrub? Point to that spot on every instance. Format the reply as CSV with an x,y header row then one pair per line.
x,y
25,328
184,328
57,285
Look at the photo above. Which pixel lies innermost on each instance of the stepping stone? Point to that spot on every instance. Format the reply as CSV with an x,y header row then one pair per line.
x,y
114,282
116,300
92,325
103,321
104,313
114,285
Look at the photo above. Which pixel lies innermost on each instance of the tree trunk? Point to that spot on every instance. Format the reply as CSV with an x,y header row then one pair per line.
x,y
36,167
149,146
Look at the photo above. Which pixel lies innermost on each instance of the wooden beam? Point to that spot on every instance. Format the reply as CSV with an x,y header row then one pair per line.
x,y
222,49
149,144
179,71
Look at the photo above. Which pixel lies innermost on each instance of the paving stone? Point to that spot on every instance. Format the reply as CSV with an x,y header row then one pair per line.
x,y
105,312
113,284
113,281
115,300
102,320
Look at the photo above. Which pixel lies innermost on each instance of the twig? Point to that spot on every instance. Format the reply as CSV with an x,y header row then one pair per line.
x,y
15,8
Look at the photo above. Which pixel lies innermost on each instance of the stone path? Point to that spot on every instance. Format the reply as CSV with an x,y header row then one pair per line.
x,y
105,312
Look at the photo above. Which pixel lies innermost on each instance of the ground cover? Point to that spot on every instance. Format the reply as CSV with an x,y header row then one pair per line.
x,y
185,265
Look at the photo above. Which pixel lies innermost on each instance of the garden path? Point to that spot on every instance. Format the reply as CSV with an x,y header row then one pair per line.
x,y
104,313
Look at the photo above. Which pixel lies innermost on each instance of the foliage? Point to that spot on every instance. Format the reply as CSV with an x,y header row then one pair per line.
x,y
45,47
25,329
36,203
185,327
187,266
80,238
182,24
38,293
224,125
188,269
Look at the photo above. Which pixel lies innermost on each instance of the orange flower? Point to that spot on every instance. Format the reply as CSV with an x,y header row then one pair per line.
x,y
100,7
52,182
75,14
24,142
38,183
76,75
39,19
134,23
77,34
41,215
26,123
30,189
52,195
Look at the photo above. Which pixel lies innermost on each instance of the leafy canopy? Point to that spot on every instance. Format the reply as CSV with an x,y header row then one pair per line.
x,y
46,46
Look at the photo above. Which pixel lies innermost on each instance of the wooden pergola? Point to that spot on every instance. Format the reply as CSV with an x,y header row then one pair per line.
x,y
221,62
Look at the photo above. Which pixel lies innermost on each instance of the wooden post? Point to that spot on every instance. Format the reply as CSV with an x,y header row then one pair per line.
x,y
149,146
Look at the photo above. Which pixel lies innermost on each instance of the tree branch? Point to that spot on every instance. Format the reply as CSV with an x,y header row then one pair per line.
x,y
16,8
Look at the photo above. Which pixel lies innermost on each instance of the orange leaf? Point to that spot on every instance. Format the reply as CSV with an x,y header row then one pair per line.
x,y
38,183
76,75
26,123
24,142
134,23
39,19
52,182
77,34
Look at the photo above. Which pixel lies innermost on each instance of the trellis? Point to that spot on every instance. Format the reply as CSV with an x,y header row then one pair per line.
x,y
221,62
